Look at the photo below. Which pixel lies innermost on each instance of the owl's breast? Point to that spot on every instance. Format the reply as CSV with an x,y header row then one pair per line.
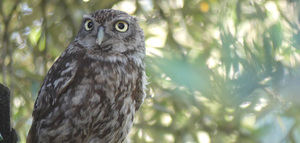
x,y
103,100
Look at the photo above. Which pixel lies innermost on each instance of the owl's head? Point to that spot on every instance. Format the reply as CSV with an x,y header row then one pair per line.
x,y
110,31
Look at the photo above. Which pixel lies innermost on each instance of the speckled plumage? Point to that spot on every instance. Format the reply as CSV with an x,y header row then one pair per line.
x,y
92,92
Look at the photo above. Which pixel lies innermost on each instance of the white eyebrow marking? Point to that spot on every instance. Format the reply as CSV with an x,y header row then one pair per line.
x,y
87,16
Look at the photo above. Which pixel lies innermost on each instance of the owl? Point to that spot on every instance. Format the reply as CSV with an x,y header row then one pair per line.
x,y
93,90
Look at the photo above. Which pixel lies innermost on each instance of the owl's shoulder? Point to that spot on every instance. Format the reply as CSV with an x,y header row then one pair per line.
x,y
59,76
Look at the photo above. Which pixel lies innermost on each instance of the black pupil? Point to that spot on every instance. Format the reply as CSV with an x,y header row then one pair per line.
x,y
90,24
121,25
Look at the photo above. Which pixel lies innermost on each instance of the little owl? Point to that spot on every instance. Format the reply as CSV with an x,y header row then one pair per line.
x,y
92,91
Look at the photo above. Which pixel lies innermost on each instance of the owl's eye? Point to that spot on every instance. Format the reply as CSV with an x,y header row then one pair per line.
x,y
88,25
121,26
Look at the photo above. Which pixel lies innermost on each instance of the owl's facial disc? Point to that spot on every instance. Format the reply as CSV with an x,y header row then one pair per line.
x,y
100,35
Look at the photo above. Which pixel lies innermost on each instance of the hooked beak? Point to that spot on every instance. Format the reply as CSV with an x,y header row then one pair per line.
x,y
100,35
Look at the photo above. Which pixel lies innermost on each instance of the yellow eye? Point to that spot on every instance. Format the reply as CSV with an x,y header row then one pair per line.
x,y
121,26
88,25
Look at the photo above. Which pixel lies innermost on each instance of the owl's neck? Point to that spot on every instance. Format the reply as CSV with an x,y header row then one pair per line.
x,y
118,58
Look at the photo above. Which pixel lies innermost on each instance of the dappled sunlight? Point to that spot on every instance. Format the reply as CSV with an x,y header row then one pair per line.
x,y
272,8
261,104
248,121
166,119
126,5
203,137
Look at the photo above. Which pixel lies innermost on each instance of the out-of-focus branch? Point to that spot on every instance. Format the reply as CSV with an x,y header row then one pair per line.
x,y
10,14
274,96
10,49
170,27
5,40
68,16
45,28
291,24
109,3
1,10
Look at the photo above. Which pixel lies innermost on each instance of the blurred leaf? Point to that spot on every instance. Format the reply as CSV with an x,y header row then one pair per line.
x,y
296,40
278,128
34,35
276,35
183,73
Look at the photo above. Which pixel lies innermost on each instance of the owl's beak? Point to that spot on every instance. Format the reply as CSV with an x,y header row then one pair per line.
x,y
100,35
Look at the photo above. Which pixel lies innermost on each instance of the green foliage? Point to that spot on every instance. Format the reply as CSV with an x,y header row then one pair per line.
x,y
218,71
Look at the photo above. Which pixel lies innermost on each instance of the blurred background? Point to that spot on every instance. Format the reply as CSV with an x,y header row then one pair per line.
x,y
219,71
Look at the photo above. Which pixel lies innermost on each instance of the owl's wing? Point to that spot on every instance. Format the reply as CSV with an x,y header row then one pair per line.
x,y
139,92
57,80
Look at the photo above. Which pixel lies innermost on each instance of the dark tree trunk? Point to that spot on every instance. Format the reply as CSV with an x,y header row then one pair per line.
x,y
9,135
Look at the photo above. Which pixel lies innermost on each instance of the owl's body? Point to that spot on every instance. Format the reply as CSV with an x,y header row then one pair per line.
x,y
93,90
